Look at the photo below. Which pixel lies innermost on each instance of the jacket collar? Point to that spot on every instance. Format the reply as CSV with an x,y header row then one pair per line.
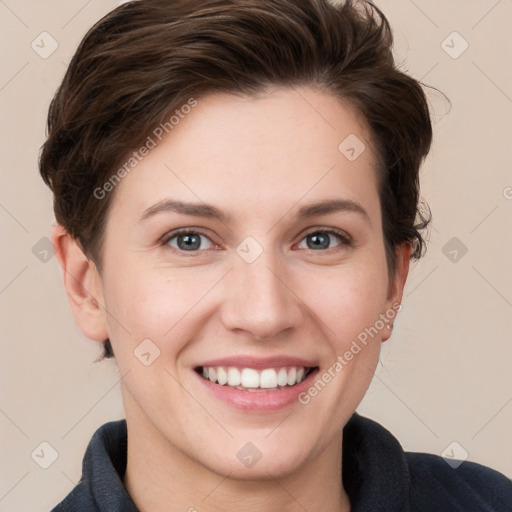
x,y
375,469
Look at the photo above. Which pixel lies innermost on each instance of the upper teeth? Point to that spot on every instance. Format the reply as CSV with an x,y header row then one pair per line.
x,y
251,378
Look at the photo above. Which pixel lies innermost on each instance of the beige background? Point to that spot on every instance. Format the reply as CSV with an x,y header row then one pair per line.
x,y
445,374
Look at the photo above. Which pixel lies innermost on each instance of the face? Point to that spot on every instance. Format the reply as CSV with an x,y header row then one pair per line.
x,y
262,287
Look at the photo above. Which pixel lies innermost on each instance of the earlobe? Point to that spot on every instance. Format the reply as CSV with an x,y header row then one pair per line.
x,y
82,283
396,287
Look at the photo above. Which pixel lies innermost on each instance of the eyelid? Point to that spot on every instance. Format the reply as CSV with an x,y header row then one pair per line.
x,y
165,239
345,238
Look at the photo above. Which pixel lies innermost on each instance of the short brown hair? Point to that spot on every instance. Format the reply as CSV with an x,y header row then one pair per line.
x,y
147,58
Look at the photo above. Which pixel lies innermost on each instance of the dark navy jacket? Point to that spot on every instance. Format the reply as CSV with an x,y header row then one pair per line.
x,y
377,475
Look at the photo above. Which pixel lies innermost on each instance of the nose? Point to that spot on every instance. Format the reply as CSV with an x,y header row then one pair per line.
x,y
260,298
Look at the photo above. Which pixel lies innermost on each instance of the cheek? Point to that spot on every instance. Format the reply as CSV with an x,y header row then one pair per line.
x,y
130,299
348,300
155,304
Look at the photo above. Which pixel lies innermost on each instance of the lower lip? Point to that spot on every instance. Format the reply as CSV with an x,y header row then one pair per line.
x,y
259,401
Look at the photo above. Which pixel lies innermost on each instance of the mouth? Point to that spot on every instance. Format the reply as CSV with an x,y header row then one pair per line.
x,y
256,380
256,384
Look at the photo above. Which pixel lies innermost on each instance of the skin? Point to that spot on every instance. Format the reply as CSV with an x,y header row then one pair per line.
x,y
260,159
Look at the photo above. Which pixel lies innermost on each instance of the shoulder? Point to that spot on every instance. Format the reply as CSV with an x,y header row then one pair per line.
x,y
436,485
379,475
101,486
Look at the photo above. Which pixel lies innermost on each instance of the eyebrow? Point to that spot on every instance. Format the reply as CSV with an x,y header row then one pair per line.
x,y
211,212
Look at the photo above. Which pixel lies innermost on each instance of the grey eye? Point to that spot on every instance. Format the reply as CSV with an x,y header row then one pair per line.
x,y
188,241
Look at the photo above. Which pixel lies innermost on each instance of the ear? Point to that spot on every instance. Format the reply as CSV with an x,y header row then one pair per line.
x,y
397,283
83,285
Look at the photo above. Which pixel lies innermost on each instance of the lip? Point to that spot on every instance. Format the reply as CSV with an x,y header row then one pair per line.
x,y
257,401
259,363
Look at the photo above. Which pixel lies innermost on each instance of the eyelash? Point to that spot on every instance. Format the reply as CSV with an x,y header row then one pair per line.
x,y
346,240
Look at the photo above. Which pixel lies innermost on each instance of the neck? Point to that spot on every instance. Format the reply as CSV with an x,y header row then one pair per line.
x,y
159,477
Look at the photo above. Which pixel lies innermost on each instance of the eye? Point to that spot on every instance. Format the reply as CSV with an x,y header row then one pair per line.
x,y
192,241
320,239
187,240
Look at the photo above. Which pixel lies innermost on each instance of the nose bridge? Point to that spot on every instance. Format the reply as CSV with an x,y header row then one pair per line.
x,y
260,301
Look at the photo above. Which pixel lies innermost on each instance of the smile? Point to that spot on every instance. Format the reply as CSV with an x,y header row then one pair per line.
x,y
255,380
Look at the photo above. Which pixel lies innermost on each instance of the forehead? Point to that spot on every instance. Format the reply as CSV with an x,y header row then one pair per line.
x,y
253,152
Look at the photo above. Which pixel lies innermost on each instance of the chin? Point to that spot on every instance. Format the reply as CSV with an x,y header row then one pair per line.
x,y
256,460
267,468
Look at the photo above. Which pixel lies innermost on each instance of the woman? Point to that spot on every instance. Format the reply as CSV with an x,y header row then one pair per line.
x,y
236,192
